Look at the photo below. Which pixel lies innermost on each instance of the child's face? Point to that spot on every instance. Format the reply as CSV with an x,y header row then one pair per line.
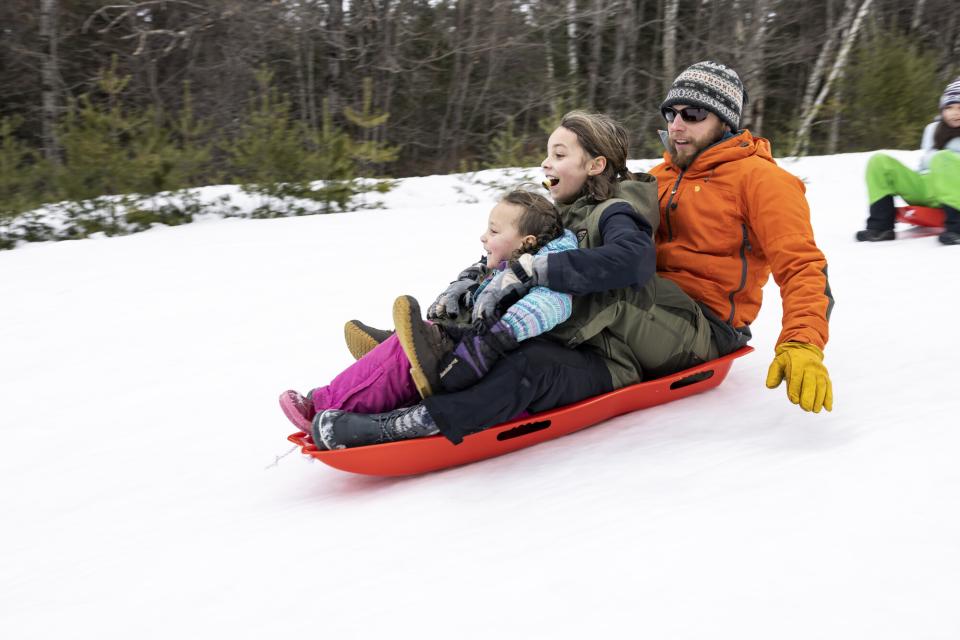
x,y
570,164
951,115
502,237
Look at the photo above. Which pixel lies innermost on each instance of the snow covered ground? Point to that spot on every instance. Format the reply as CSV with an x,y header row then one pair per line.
x,y
142,495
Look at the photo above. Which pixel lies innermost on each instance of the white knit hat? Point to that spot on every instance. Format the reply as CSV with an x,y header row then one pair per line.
x,y
951,94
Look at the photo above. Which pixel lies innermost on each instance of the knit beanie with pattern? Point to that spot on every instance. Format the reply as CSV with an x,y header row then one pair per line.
x,y
713,86
951,94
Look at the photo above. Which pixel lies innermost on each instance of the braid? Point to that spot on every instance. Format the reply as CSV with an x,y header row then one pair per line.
x,y
540,218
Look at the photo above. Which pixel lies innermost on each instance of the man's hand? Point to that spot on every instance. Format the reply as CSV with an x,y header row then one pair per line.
x,y
808,383
508,286
456,298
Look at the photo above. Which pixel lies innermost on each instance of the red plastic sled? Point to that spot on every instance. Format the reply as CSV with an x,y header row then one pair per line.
x,y
921,216
410,457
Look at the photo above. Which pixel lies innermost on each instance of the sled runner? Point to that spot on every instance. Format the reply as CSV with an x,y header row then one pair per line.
x,y
410,457
921,216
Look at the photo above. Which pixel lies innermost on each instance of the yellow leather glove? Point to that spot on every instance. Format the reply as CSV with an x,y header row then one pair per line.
x,y
808,383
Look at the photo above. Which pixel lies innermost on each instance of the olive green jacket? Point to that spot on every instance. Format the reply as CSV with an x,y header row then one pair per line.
x,y
641,332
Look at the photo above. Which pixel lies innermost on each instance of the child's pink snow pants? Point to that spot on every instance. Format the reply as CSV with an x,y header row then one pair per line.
x,y
379,381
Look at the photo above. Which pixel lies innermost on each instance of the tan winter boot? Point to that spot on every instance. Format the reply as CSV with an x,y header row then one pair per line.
x,y
424,343
362,339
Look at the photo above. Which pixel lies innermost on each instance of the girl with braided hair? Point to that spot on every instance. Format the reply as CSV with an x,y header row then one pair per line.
x,y
626,324
522,222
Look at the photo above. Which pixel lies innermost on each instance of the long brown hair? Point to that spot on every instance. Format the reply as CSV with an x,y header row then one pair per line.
x,y
540,218
601,135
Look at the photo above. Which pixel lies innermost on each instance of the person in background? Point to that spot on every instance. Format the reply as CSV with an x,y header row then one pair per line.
x,y
935,184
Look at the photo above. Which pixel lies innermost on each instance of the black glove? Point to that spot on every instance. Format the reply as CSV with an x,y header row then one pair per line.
x,y
457,298
478,349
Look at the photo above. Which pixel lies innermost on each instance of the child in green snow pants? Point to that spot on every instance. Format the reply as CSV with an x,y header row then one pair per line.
x,y
936,184
887,176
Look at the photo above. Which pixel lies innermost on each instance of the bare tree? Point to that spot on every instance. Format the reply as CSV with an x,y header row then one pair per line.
x,y
49,80
451,131
599,19
752,30
337,42
670,42
806,121
572,56
917,15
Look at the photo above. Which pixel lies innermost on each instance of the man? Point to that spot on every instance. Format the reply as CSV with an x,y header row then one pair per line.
x,y
729,217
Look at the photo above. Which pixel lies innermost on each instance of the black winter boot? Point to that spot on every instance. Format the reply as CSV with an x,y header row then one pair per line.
x,y
872,235
474,355
362,339
880,223
423,343
334,429
952,223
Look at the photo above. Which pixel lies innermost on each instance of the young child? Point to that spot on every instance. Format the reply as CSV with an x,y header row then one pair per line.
x,y
521,222
627,324
936,184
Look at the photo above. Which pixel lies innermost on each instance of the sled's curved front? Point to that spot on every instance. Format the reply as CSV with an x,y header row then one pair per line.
x,y
410,457
921,216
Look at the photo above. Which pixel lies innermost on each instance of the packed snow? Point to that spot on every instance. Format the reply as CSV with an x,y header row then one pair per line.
x,y
148,489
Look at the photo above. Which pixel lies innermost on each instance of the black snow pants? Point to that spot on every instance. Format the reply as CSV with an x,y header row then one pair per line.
x,y
539,375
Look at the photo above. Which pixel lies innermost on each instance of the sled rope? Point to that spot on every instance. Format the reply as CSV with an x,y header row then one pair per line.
x,y
277,459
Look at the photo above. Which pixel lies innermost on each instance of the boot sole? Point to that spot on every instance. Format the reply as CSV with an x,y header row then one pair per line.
x,y
412,342
359,342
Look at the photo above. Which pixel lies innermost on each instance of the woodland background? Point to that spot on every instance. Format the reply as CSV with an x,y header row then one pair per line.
x,y
299,98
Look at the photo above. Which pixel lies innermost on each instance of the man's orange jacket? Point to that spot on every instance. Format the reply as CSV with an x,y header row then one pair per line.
x,y
728,221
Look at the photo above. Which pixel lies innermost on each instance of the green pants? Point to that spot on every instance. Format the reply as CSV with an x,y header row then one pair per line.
x,y
941,185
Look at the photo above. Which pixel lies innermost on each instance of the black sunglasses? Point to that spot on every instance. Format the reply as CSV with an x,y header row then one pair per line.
x,y
688,114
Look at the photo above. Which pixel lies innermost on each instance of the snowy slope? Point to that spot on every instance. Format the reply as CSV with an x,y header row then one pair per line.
x,y
142,494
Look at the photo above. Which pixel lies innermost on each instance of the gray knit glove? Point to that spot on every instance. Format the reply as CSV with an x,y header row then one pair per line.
x,y
457,298
508,286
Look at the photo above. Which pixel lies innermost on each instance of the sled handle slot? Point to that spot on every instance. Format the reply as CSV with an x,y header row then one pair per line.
x,y
523,429
693,378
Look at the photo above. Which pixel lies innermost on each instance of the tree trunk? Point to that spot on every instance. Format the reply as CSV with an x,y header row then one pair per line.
x,y
572,62
49,72
833,140
335,29
550,69
754,65
917,15
481,105
451,130
670,43
596,51
806,121
819,67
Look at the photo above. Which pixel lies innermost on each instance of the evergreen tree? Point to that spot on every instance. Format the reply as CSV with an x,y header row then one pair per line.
x,y
892,93
368,151
270,148
95,142
510,150
21,172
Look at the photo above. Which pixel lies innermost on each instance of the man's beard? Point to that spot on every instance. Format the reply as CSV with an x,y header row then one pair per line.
x,y
694,149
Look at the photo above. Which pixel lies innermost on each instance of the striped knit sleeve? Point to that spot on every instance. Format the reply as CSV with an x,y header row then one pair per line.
x,y
541,309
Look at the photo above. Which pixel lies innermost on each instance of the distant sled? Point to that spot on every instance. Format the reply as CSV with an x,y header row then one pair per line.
x,y
411,457
921,216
